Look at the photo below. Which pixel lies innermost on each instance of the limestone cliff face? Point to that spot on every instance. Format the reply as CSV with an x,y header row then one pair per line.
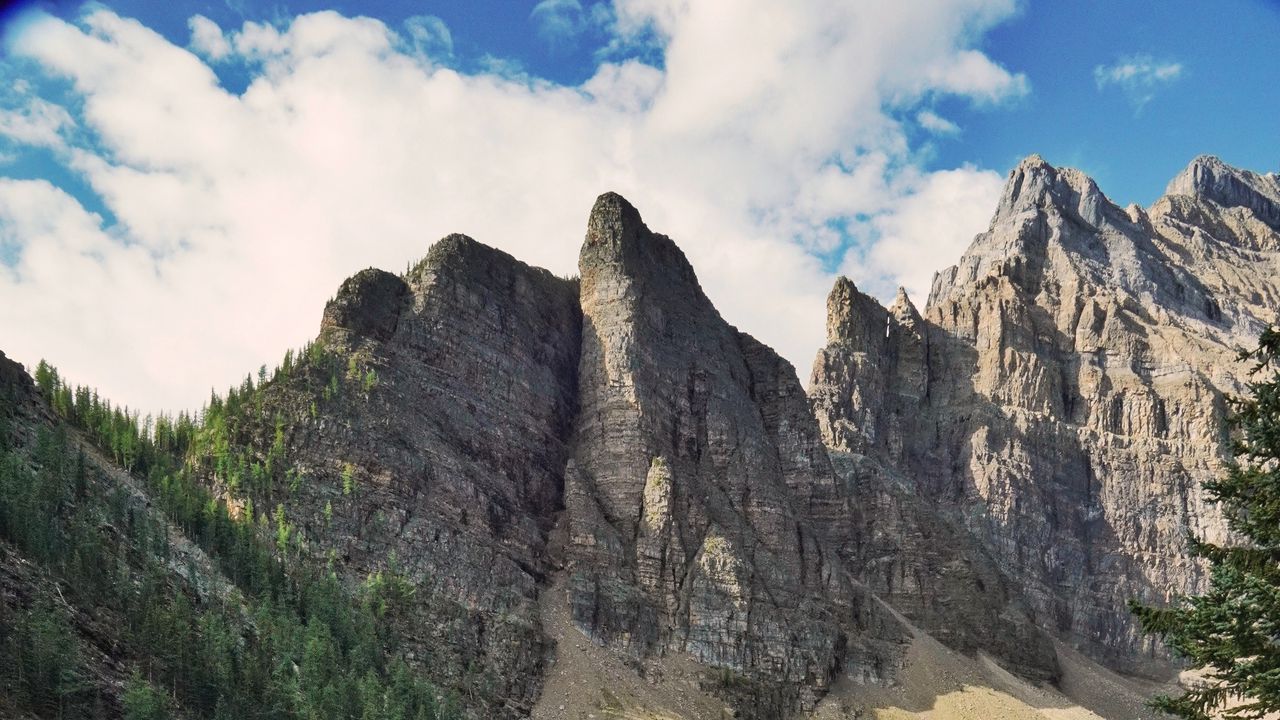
x,y
1075,366
870,389
436,445
481,410
699,496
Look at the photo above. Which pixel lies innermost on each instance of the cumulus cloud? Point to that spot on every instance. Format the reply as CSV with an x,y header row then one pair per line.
x,y
39,123
936,218
1139,77
763,142
207,38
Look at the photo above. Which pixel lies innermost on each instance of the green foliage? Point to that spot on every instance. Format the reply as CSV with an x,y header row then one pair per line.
x,y
292,642
282,530
143,702
348,479
42,669
1231,631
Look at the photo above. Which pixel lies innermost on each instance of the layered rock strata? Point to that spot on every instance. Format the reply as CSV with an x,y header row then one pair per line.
x,y
1062,395
437,451
699,497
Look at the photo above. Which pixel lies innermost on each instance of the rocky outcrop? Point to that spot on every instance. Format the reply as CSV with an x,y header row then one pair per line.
x,y
368,305
1210,180
870,390
1077,360
699,496
427,433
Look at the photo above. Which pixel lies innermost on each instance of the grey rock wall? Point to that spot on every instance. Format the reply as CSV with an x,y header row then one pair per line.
x,y
1078,360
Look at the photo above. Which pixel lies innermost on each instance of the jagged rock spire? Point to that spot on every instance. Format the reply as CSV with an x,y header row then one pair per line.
x,y
700,498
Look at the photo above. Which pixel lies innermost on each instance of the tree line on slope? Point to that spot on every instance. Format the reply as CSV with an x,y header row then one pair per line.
x,y
289,640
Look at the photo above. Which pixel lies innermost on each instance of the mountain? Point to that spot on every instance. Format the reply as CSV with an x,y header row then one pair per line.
x,y
593,497
1062,396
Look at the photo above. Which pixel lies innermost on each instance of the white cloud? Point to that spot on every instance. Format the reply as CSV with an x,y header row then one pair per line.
x,y
766,125
39,123
430,36
207,38
935,123
929,227
560,23
557,21
1139,77
971,73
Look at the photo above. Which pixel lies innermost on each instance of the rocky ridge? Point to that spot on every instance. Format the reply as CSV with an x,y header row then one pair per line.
x,y
1007,467
606,461
1062,395
699,498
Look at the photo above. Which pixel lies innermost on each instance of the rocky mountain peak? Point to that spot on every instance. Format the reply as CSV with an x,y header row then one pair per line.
x,y
699,500
1035,184
1209,179
1095,345
612,220
367,305
461,256
619,243
903,310
853,317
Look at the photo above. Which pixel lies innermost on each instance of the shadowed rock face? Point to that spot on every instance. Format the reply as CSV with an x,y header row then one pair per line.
x,y
447,462
1076,362
699,496
368,305
870,389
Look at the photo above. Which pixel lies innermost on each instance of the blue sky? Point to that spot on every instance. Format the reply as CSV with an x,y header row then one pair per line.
x,y
182,184
1222,102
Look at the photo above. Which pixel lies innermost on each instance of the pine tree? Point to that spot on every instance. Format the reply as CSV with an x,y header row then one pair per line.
x,y
1232,631
143,702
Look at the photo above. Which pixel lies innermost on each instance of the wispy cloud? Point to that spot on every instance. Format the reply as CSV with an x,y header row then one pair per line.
x,y
559,23
39,123
430,36
936,124
1139,77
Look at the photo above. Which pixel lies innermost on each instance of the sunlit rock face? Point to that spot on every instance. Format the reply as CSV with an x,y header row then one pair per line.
x,y
1061,397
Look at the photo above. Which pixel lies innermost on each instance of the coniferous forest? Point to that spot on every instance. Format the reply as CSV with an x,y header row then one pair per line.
x,y
130,618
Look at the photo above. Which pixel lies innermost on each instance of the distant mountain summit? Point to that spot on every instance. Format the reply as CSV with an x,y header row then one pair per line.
x,y
1067,387
608,502
1210,180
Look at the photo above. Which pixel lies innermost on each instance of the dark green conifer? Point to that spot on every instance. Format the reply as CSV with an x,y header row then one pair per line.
x,y
1232,631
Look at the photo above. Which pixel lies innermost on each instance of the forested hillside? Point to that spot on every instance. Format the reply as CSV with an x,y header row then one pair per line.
x,y
127,587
